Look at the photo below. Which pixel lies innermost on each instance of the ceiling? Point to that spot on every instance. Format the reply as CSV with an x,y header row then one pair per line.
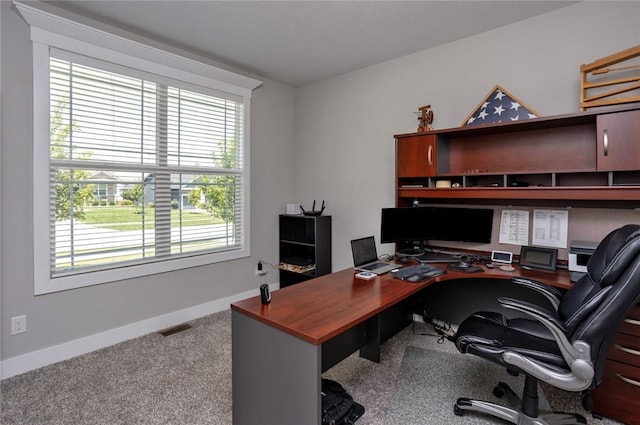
x,y
300,42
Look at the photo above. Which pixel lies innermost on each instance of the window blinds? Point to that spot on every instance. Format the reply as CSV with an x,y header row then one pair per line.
x,y
141,169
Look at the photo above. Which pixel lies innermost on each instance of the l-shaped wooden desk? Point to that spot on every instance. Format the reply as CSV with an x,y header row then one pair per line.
x,y
279,350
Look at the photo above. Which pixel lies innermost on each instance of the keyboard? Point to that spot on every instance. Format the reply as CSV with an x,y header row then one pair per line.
x,y
374,266
417,273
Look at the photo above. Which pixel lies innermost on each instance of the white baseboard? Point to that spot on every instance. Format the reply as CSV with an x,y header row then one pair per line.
x,y
46,356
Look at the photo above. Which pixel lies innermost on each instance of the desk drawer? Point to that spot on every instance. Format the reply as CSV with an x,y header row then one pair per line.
x,y
625,349
618,396
631,324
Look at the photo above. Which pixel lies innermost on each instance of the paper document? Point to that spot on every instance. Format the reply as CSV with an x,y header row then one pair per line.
x,y
514,227
550,228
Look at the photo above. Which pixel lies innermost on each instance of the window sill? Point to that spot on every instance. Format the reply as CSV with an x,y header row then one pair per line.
x,y
44,284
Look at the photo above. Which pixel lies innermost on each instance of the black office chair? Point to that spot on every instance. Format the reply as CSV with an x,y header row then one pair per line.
x,y
565,348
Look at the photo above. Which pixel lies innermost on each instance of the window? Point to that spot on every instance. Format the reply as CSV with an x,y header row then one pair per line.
x,y
123,151
146,162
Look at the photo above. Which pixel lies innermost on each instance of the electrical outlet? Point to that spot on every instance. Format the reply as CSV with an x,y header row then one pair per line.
x,y
18,324
260,270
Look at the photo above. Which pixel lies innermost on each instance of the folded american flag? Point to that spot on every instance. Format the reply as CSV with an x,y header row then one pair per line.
x,y
497,107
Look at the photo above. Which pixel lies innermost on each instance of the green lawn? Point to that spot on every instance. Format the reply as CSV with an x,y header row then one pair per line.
x,y
130,218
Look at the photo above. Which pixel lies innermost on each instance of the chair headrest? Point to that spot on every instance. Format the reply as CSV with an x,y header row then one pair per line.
x,y
613,254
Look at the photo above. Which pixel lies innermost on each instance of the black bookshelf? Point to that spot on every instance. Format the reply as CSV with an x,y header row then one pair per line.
x,y
305,248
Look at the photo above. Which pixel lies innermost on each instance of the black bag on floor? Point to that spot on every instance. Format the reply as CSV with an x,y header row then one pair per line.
x,y
338,407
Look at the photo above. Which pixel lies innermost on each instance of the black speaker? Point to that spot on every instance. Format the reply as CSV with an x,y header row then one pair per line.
x,y
265,295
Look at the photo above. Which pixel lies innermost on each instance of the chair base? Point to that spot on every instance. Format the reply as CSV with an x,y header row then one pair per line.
x,y
515,416
518,416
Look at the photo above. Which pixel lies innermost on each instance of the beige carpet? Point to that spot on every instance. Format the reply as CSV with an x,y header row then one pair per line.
x,y
185,379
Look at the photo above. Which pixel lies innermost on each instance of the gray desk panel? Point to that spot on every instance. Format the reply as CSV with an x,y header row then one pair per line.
x,y
275,376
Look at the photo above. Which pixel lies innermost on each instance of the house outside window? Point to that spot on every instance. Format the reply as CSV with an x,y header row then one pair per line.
x,y
144,163
104,188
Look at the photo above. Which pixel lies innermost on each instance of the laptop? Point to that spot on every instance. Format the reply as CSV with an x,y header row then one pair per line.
x,y
365,257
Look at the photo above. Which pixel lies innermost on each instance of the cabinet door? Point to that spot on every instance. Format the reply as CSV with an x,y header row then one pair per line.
x,y
618,141
416,156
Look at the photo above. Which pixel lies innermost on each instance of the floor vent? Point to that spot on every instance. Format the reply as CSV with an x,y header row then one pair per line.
x,y
175,329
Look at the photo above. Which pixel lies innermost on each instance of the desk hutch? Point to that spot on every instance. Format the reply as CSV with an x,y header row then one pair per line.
x,y
587,159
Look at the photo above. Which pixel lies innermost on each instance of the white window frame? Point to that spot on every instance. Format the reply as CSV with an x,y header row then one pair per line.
x,y
49,30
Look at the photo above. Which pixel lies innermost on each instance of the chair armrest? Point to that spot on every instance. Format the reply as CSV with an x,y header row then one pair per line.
x,y
552,294
547,317
577,354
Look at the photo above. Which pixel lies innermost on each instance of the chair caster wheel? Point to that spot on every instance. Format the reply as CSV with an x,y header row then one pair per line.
x,y
500,390
458,411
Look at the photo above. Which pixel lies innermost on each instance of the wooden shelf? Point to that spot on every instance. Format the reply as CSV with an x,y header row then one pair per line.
x,y
568,193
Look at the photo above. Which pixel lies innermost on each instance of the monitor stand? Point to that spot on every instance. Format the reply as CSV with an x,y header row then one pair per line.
x,y
410,252
431,257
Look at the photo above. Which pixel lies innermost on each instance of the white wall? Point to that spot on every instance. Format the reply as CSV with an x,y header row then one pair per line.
x,y
345,125
59,318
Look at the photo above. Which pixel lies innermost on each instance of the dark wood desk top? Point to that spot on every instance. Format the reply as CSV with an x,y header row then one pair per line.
x,y
321,308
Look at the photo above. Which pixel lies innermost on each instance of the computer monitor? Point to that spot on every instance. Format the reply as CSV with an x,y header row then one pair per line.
x,y
463,224
404,225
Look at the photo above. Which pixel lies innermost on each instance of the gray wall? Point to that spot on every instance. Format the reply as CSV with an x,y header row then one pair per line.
x,y
331,140
345,152
57,318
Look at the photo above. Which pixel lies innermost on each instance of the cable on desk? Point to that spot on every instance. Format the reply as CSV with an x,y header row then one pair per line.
x,y
385,257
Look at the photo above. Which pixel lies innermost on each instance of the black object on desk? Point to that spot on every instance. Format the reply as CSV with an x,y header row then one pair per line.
x,y
538,258
265,295
417,273
465,268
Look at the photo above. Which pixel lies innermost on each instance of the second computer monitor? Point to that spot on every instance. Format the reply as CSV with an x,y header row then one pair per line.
x,y
419,224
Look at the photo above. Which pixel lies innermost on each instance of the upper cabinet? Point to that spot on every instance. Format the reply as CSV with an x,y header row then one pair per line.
x,y
416,156
619,141
584,159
